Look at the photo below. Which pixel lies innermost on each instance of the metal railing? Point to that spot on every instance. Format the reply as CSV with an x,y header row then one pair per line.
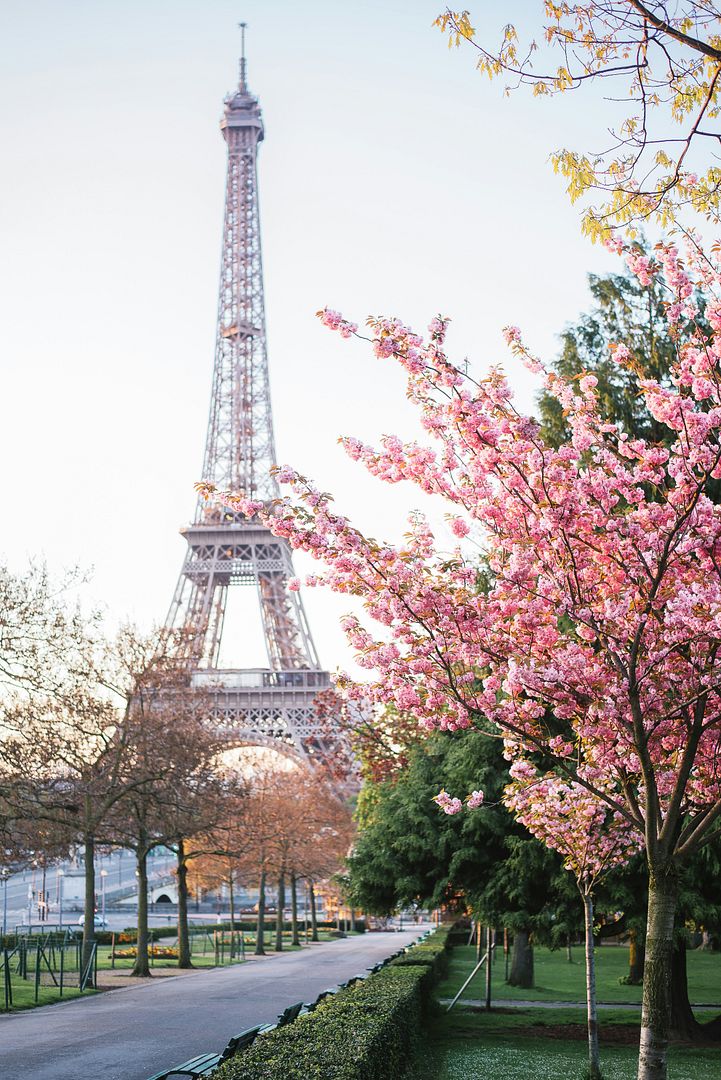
x,y
50,961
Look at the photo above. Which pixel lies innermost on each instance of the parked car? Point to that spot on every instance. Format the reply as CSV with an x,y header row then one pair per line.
x,y
99,923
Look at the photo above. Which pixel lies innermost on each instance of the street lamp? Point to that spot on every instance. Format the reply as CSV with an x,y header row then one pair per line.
x,y
103,875
5,875
44,894
60,873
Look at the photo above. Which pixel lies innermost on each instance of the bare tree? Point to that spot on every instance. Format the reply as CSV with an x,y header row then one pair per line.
x,y
203,820
170,743
41,632
64,765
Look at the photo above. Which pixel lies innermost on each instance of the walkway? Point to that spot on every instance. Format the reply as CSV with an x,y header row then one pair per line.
x,y
515,1003
131,1033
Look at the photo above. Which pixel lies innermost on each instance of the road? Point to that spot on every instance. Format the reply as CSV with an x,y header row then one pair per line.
x,y
34,894
132,1033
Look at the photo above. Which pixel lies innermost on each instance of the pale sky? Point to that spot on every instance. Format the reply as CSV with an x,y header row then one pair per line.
x,y
394,180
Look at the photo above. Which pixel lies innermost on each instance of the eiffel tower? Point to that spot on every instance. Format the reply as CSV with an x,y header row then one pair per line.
x,y
273,705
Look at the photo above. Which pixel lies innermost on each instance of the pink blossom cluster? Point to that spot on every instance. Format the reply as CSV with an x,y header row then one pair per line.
x,y
448,804
641,265
335,321
459,527
592,834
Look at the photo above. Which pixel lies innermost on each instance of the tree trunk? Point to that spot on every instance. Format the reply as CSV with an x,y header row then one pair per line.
x,y
706,942
313,915
594,1059
656,1006
636,958
684,1024
521,960
260,930
89,904
184,960
141,966
569,953
295,940
231,902
279,914
489,965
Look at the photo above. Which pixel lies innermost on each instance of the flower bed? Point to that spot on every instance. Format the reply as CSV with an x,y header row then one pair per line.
x,y
158,952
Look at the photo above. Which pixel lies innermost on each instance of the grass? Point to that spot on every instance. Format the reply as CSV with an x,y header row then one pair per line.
x,y
518,1043
557,980
24,994
474,1045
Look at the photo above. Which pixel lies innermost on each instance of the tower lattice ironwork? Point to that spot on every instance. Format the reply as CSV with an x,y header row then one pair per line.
x,y
226,549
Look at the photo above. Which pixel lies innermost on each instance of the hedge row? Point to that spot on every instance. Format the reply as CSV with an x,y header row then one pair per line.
x,y
433,952
103,937
365,1032
248,926
129,936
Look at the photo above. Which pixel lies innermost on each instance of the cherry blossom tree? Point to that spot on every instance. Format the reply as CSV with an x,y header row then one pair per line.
x,y
590,629
591,837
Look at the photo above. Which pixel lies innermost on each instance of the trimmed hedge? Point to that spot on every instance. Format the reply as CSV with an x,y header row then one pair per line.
x,y
129,936
435,960
366,1032
248,926
433,952
103,937
459,933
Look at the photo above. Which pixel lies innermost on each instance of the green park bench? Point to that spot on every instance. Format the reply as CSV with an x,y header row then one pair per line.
x,y
323,995
204,1064
355,979
286,1017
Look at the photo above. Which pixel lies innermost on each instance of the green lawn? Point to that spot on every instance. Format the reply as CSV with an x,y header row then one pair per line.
x,y
547,1043
473,1045
24,994
557,980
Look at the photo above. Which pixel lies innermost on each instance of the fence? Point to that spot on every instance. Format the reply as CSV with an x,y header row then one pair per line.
x,y
52,961
226,947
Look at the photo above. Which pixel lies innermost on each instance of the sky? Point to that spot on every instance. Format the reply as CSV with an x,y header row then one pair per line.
x,y
394,180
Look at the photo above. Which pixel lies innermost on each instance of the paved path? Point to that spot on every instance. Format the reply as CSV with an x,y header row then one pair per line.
x,y
514,1003
131,1033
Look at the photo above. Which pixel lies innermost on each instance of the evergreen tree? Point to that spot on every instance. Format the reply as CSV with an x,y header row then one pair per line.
x,y
623,310
408,851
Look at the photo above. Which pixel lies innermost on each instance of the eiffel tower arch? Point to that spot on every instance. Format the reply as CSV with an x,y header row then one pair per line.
x,y
270,705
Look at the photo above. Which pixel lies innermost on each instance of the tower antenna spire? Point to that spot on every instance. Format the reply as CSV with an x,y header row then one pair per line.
x,y
243,83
